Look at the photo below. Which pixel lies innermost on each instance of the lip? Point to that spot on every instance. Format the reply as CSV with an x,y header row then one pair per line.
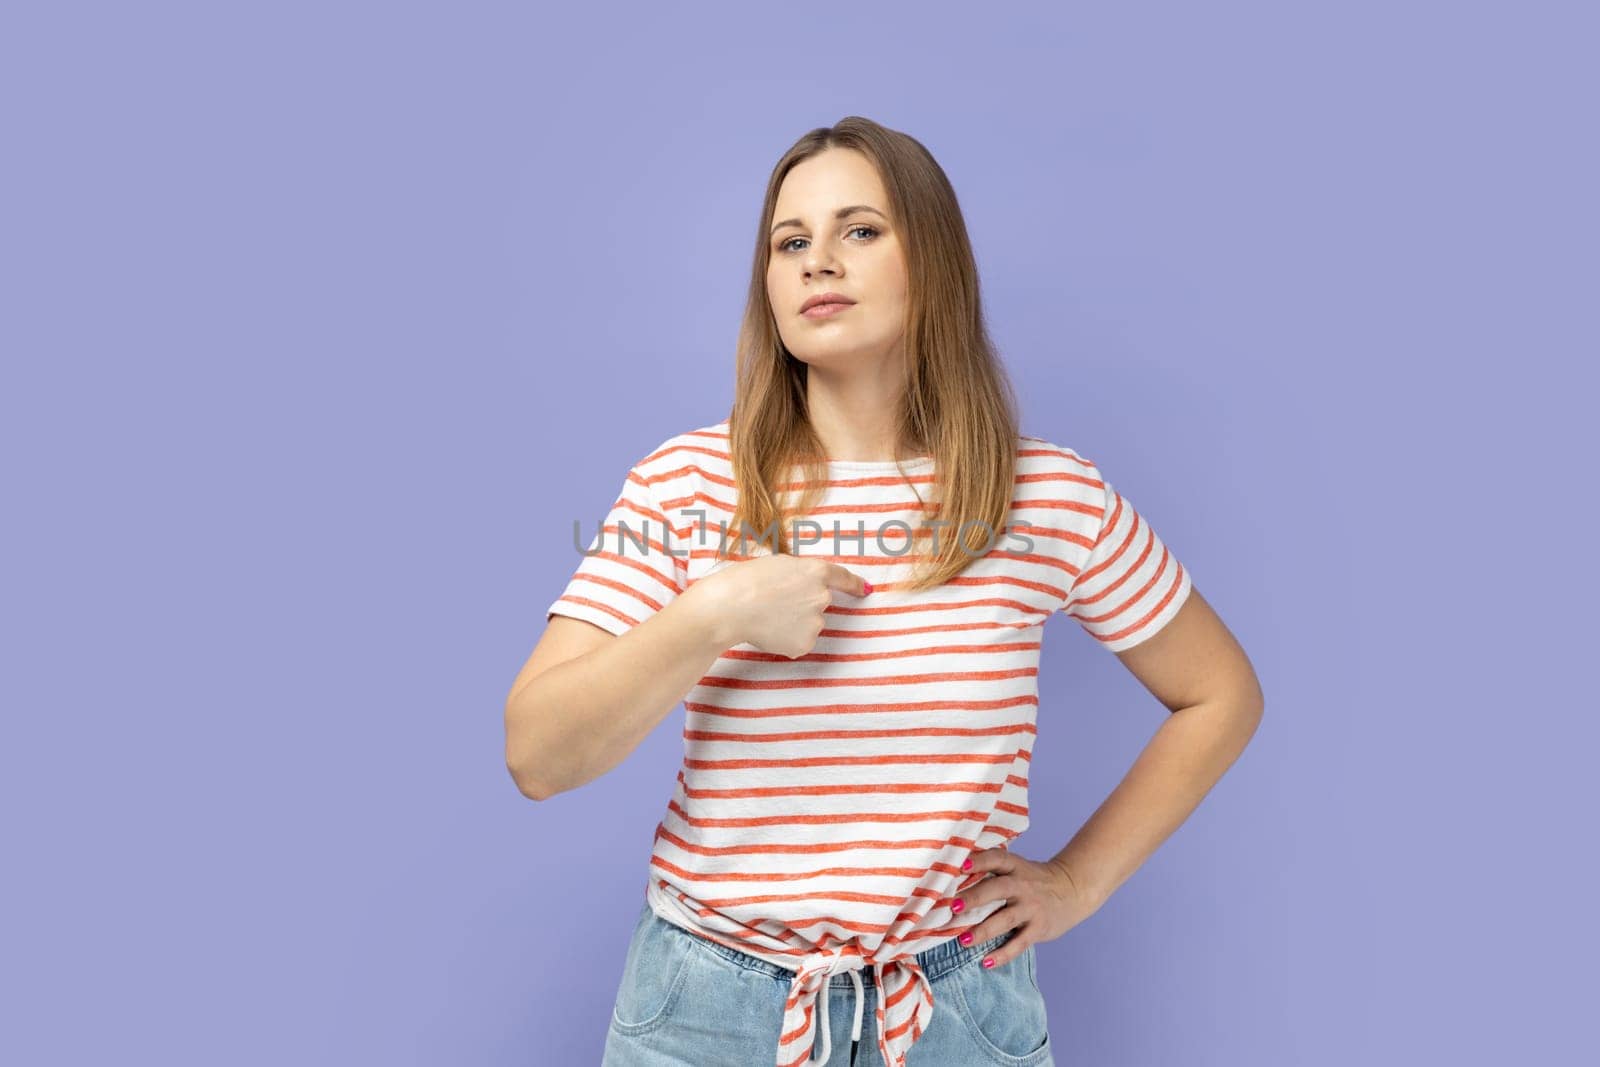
x,y
825,304
825,311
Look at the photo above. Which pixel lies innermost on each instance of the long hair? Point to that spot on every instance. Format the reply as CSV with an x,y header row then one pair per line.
x,y
957,407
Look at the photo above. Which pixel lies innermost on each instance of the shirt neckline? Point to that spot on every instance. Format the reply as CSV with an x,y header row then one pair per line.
x,y
878,464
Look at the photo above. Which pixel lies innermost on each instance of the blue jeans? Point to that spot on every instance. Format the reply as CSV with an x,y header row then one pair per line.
x,y
685,1001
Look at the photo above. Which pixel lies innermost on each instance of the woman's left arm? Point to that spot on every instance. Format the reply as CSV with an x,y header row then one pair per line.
x,y
1202,675
1195,667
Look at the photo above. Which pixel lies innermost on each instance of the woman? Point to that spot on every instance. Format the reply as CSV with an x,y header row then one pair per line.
x,y
845,583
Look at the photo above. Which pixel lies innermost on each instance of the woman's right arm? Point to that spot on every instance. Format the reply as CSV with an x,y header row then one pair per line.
x,y
586,698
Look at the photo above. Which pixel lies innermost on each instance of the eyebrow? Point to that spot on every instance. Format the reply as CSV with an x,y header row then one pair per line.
x,y
841,213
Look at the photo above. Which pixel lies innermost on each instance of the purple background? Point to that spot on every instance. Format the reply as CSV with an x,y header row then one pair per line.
x,y
324,322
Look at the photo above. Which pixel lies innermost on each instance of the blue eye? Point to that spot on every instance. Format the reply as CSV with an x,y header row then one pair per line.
x,y
784,247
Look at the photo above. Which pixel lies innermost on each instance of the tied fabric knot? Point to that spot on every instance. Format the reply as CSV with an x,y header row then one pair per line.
x,y
905,1007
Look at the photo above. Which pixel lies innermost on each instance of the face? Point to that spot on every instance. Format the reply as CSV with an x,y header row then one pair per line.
x,y
857,255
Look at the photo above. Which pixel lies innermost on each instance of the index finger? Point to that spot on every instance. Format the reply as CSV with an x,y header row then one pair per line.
x,y
846,580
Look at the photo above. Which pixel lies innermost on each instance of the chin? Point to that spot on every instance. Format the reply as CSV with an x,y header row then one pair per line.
x,y
843,353
829,359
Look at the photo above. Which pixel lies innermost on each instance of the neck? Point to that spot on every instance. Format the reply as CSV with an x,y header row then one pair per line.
x,y
855,416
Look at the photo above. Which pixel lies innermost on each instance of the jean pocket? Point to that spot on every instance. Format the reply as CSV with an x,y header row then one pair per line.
x,y
652,974
1004,1010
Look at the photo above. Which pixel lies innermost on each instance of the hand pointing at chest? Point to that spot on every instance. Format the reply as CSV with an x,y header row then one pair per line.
x,y
777,602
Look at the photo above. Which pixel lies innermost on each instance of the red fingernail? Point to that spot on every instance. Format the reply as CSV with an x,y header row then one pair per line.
x,y
967,866
958,905
869,587
966,938
988,961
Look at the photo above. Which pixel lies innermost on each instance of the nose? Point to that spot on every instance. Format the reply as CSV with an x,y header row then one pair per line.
x,y
819,263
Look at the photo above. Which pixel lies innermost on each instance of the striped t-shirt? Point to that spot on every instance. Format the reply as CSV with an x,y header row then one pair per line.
x,y
825,804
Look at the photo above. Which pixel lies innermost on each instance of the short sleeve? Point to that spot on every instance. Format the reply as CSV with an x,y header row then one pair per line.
x,y
1130,585
631,568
